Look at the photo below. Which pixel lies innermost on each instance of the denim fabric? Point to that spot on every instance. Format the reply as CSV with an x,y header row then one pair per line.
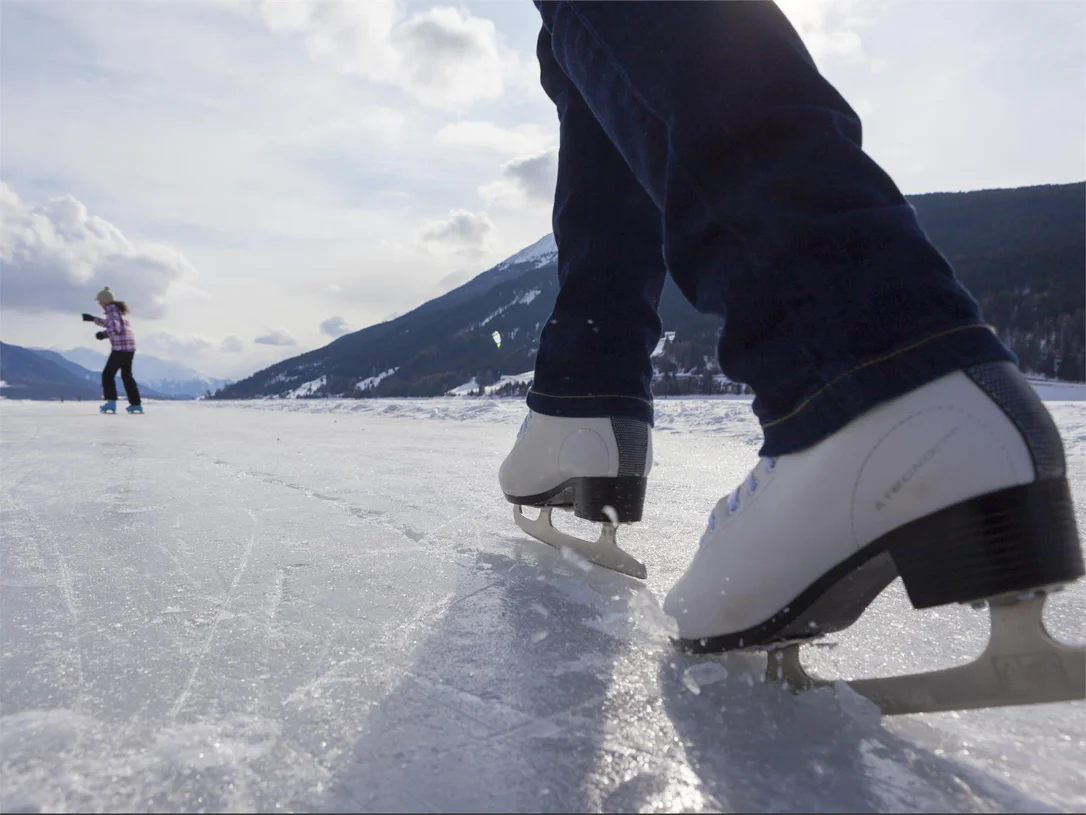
x,y
120,361
699,137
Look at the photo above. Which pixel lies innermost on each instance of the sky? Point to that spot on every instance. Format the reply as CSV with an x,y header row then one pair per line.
x,y
258,177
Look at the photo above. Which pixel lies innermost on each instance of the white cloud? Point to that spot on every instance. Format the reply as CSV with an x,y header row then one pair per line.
x,y
517,141
444,57
455,278
185,349
277,336
524,180
369,121
197,351
335,327
463,232
56,256
831,28
448,58
232,345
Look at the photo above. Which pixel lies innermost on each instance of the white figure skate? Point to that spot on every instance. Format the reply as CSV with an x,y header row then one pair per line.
x,y
958,487
596,467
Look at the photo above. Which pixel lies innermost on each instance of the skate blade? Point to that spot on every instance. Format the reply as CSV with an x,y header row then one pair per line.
x,y
603,552
1022,665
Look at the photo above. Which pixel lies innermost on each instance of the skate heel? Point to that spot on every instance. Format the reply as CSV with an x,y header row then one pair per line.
x,y
1013,540
620,499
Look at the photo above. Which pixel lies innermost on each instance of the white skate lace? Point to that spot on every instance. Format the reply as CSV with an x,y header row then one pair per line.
x,y
751,483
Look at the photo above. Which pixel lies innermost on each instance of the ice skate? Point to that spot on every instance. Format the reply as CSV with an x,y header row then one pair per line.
x,y
135,409
596,467
958,488
109,407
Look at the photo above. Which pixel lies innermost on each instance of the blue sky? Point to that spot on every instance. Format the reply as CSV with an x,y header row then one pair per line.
x,y
257,177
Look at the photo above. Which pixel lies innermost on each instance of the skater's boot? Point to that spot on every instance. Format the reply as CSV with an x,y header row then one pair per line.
x,y
958,487
109,407
597,467
135,409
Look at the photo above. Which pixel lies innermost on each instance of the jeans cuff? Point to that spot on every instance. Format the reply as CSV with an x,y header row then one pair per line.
x,y
878,380
592,407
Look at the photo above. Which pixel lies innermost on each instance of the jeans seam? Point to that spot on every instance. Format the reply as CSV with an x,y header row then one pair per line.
x,y
876,361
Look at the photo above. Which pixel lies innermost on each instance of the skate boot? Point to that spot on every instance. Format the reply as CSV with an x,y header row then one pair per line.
x,y
596,467
109,407
135,409
958,488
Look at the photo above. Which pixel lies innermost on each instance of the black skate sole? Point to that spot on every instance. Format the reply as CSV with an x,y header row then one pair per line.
x,y
619,499
1010,541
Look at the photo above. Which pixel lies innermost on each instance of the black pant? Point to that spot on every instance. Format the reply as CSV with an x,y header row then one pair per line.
x,y
700,139
120,361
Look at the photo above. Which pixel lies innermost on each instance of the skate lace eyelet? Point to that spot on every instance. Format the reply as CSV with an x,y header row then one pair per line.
x,y
752,483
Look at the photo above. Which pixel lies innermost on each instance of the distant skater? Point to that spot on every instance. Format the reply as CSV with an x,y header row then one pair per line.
x,y
120,335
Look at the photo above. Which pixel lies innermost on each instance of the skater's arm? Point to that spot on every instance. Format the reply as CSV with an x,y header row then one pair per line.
x,y
112,323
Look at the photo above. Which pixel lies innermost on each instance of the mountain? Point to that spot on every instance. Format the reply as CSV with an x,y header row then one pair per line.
x,y
33,373
1020,251
94,377
432,349
170,379
544,252
29,375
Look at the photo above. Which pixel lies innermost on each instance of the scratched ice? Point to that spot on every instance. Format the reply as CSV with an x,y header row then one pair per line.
x,y
325,605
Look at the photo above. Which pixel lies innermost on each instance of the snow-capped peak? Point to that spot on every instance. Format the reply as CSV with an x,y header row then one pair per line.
x,y
542,251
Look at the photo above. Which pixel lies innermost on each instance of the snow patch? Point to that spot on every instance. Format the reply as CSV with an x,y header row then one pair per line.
x,y
307,389
668,336
1058,391
371,382
540,253
471,387
521,300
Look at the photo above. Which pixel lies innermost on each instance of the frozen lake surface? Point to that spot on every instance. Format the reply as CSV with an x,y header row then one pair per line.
x,y
325,605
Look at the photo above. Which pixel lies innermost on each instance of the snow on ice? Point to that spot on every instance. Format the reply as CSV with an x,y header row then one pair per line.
x,y
325,605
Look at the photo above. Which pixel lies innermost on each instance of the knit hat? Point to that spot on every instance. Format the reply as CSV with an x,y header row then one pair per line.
x,y
105,296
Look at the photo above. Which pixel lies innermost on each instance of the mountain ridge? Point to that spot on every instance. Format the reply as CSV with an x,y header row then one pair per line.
x,y
169,378
1020,251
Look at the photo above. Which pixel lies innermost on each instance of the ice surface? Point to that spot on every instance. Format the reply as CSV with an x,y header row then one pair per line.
x,y
325,605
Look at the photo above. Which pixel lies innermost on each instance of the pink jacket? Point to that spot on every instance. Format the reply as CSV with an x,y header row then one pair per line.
x,y
118,329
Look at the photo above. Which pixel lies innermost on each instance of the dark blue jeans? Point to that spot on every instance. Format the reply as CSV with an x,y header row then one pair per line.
x,y
698,139
120,361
